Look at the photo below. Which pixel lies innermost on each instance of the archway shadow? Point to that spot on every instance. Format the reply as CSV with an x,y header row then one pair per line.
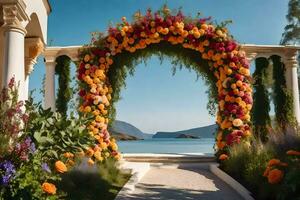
x,y
218,190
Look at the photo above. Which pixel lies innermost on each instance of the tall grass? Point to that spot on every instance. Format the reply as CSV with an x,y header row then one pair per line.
x,y
101,184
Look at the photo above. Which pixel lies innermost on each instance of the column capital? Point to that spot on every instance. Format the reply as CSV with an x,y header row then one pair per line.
x,y
291,58
251,56
33,48
13,15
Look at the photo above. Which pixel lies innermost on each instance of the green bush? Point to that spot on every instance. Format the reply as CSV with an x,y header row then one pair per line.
x,y
254,169
240,154
102,183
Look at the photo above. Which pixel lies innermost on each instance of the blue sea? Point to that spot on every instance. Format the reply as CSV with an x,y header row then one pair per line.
x,y
162,145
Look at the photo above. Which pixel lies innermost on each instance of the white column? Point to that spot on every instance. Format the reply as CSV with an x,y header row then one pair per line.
x,y
13,60
291,65
50,85
29,64
14,37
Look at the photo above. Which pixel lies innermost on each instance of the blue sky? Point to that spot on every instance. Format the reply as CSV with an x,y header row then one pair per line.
x,y
154,100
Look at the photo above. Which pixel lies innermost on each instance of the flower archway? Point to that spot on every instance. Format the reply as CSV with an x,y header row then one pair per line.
x,y
197,43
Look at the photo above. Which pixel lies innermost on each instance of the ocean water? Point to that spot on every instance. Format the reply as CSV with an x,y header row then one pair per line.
x,y
163,145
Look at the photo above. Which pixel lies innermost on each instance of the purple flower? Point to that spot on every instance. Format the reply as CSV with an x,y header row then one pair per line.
x,y
8,166
46,168
9,171
32,148
5,179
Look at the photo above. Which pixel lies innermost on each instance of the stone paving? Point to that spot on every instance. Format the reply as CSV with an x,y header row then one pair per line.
x,y
181,183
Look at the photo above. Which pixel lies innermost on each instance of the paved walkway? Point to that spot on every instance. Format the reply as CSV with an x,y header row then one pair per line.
x,y
181,183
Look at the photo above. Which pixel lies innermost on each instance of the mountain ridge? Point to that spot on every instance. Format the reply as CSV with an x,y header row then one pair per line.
x,y
201,132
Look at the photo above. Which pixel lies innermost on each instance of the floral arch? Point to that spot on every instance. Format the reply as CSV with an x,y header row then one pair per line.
x,y
198,44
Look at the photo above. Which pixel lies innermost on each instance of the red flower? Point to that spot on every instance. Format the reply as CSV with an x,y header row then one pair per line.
x,y
82,93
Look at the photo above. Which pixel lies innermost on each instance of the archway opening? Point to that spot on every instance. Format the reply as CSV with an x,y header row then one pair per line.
x,y
190,42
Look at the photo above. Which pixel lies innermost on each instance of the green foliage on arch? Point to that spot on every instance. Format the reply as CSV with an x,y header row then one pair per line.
x,y
282,99
64,93
261,106
180,57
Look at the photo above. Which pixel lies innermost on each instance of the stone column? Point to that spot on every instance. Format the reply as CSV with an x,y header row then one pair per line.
x,y
14,34
33,48
50,84
291,65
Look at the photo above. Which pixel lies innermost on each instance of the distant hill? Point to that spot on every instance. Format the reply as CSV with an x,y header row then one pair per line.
x,y
201,132
122,136
128,129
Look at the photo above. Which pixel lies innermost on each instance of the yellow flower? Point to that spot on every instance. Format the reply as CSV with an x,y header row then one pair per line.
x,y
60,167
237,122
103,145
49,188
86,58
87,109
97,155
91,162
114,146
68,155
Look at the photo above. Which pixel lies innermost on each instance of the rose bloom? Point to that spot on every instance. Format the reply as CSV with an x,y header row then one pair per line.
x,y
275,176
49,188
60,167
237,122
223,157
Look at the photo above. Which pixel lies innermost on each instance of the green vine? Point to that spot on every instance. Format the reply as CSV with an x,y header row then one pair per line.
x,y
261,103
64,92
282,99
125,63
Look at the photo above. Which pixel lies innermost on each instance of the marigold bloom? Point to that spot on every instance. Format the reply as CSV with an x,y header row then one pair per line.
x,y
91,162
273,162
275,176
68,155
90,152
60,167
86,58
223,157
293,153
49,188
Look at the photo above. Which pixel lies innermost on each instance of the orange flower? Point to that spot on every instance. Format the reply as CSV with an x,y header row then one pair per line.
x,y
293,153
273,162
90,152
60,167
223,157
68,155
49,188
91,162
275,176
70,163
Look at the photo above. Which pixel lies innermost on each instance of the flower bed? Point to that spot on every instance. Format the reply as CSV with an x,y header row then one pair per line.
x,y
39,149
269,171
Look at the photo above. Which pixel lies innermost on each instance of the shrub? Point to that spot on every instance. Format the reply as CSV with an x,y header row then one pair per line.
x,y
240,154
254,169
101,182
